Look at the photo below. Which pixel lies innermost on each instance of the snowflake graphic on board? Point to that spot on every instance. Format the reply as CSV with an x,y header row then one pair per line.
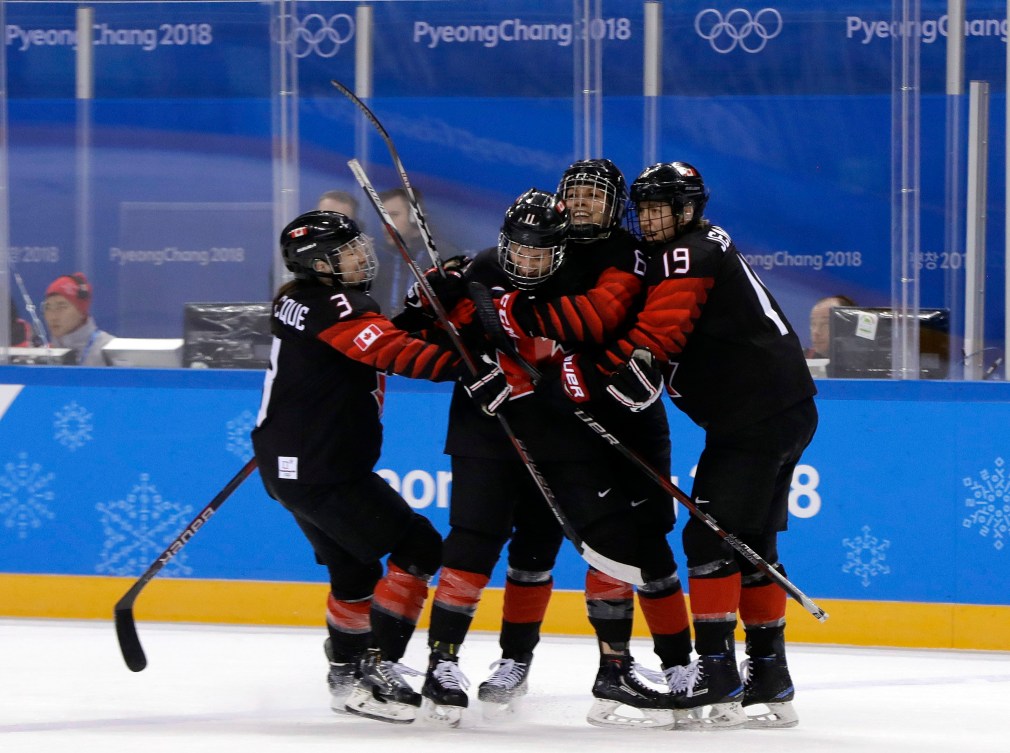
x,y
138,529
239,441
73,426
865,557
989,502
24,495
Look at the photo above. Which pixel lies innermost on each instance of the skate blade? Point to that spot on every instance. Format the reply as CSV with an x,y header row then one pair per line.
x,y
719,716
443,716
339,703
606,713
495,711
362,703
778,716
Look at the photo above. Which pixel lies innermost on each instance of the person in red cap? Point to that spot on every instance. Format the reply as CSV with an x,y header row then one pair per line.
x,y
67,309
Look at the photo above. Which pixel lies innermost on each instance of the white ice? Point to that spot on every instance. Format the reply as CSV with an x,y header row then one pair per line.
x,y
214,689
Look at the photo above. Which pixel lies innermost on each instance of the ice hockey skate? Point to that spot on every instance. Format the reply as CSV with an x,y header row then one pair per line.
x,y
340,679
767,683
623,700
444,691
501,694
710,694
381,693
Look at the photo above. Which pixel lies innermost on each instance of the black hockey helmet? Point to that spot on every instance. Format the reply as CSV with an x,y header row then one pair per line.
x,y
328,236
531,245
596,194
677,183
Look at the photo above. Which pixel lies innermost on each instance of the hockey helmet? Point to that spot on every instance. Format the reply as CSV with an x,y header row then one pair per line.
x,y
675,183
596,194
531,245
333,238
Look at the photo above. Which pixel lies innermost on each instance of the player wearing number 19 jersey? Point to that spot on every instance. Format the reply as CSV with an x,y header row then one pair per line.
x,y
735,366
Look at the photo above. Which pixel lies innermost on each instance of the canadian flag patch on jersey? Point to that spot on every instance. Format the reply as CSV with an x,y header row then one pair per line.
x,y
367,336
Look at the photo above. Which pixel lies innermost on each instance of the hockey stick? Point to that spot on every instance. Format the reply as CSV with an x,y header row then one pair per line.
x,y
126,626
488,316
422,224
619,570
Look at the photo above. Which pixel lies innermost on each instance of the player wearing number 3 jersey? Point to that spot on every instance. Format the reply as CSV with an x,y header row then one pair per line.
x,y
317,438
735,366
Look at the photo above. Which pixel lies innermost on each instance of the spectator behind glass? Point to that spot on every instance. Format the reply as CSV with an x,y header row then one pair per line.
x,y
67,310
820,330
339,201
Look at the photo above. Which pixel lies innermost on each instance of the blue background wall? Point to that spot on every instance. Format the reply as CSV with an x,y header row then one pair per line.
x,y
793,134
903,495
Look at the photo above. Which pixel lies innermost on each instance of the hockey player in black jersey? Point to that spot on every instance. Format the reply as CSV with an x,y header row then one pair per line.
x,y
603,286
493,499
317,438
735,366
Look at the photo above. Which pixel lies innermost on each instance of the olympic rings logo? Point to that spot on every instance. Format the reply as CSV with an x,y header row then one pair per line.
x,y
319,35
738,27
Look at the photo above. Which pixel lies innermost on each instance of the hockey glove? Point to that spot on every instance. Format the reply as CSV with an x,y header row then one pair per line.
x,y
513,309
448,289
581,379
489,386
638,383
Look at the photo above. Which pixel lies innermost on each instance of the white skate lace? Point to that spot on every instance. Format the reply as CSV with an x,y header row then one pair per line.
x,y
507,673
449,675
677,678
691,675
652,675
393,672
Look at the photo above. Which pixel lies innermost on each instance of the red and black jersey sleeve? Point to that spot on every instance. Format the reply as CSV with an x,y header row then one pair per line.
x,y
600,289
589,317
679,281
350,322
374,340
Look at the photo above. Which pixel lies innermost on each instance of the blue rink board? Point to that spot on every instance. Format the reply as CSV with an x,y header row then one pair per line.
x,y
903,495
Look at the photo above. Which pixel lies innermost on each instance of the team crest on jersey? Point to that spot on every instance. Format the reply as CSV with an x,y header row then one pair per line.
x,y
367,336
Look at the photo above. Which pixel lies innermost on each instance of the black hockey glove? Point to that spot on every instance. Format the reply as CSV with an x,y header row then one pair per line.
x,y
488,387
638,383
514,312
448,289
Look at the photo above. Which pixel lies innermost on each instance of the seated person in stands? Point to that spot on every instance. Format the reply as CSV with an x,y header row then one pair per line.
x,y
67,310
820,332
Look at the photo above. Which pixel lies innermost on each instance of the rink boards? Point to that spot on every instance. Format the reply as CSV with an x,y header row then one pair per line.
x,y
898,525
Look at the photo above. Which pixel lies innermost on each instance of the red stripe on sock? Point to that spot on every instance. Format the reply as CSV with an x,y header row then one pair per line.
x,y
762,604
348,616
715,596
666,615
459,588
402,594
526,603
602,587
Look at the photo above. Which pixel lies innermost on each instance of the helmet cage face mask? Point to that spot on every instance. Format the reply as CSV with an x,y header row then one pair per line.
x,y
321,236
595,193
531,245
528,266
676,184
354,263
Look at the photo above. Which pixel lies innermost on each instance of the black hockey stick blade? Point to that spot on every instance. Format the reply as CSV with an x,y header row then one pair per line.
x,y
415,205
487,315
126,625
